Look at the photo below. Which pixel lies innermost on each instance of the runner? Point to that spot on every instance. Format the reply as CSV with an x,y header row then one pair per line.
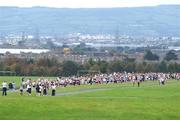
x,y
21,90
38,93
29,89
53,89
45,90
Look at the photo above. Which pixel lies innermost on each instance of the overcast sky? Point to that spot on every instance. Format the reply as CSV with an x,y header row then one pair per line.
x,y
86,3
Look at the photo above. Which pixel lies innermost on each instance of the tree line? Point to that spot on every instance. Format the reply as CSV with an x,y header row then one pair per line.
x,y
171,55
52,67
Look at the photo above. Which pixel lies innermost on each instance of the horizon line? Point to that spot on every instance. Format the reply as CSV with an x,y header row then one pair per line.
x,y
91,7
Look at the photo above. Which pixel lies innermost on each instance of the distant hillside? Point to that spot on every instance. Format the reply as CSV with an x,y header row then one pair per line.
x,y
151,21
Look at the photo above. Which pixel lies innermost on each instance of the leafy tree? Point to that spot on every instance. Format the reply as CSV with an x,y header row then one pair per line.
x,y
116,66
52,67
16,67
54,71
103,66
69,68
150,67
171,56
150,56
130,67
80,49
162,67
95,68
91,61
173,67
139,67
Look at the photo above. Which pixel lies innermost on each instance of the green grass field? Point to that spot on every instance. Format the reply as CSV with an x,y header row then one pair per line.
x,y
97,102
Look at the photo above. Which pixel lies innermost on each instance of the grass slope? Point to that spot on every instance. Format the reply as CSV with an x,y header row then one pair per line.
x,y
116,102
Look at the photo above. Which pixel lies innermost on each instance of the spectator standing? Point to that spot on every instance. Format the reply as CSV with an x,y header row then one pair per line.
x,y
4,88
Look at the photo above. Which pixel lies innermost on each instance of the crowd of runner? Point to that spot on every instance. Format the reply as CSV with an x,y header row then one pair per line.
x,y
42,85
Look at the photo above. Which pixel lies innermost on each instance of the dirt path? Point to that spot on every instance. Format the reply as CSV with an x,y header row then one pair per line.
x,y
82,91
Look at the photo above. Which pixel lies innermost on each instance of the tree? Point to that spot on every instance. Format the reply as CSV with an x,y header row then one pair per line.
x,y
91,61
69,68
173,67
150,56
150,67
162,67
95,68
54,71
103,66
140,67
47,62
171,56
116,66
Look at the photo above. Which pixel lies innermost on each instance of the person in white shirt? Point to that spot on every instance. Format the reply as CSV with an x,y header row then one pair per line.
x,y
4,88
40,89
29,89
14,85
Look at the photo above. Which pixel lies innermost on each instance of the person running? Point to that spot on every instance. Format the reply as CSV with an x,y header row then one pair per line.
x,y
10,86
134,80
139,80
13,85
45,90
21,90
29,89
161,80
4,88
53,89
38,93
40,89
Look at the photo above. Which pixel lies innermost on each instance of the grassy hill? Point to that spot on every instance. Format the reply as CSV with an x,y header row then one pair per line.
x,y
97,102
